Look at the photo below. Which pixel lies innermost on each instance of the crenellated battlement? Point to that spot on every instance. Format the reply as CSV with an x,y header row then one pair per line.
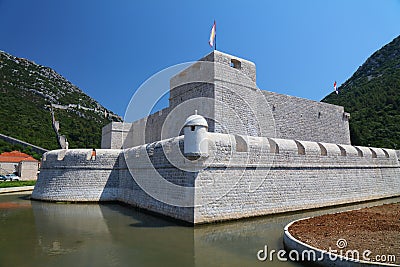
x,y
287,174
290,147
81,158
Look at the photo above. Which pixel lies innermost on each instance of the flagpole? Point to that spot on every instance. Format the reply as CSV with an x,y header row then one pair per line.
x,y
215,40
215,47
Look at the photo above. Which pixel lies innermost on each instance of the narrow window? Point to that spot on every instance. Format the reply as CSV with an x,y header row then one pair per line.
x,y
192,128
236,63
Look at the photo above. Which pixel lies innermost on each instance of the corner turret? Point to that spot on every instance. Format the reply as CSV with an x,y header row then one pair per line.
x,y
195,140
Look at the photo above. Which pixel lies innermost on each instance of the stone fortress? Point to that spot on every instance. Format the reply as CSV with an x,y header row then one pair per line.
x,y
224,150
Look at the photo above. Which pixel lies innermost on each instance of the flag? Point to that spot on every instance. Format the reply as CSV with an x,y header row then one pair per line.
x,y
212,35
335,87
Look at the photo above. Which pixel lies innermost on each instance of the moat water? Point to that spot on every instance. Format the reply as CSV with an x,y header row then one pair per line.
x,y
41,234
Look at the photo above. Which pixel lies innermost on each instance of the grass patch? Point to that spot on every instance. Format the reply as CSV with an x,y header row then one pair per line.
x,y
16,183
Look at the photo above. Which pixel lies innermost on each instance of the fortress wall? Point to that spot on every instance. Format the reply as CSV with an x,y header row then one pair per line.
x,y
117,135
142,173
186,97
190,90
70,175
241,108
288,181
154,125
132,193
136,134
303,119
244,176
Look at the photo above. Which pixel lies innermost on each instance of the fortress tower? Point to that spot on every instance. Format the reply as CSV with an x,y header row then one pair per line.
x,y
223,89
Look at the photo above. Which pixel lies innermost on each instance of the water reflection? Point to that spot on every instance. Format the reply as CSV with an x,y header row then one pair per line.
x,y
109,235
72,233
49,234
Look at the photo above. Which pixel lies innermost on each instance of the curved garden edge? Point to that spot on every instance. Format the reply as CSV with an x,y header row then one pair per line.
x,y
300,251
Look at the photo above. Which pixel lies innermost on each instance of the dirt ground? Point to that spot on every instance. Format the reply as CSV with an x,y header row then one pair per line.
x,y
376,229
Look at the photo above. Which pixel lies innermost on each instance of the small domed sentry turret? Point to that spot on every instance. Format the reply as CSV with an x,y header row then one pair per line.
x,y
195,140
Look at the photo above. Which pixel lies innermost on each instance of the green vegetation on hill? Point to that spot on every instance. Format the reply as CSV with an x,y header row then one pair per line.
x,y
84,132
28,90
23,116
372,96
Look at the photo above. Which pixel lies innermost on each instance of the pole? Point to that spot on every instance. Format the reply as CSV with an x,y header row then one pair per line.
x,y
215,46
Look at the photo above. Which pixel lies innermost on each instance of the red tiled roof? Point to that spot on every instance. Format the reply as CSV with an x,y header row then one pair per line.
x,y
15,157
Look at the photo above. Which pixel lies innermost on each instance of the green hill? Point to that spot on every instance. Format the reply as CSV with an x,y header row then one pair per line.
x,y
372,96
27,93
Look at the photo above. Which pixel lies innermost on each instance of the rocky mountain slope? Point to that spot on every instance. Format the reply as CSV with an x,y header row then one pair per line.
x,y
28,94
372,96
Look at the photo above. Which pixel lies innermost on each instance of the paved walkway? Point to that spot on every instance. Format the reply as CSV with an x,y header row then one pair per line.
x,y
16,189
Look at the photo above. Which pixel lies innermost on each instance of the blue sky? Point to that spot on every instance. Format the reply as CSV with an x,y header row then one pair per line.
x,y
109,48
